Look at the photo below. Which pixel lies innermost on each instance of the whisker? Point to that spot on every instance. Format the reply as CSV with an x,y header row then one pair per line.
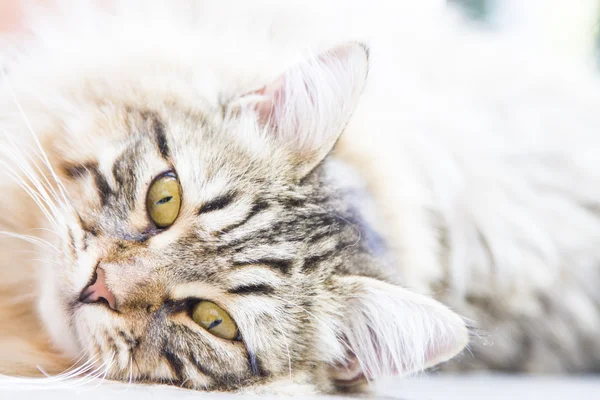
x,y
35,138
45,185
47,230
50,261
16,155
130,371
33,194
66,379
107,369
30,239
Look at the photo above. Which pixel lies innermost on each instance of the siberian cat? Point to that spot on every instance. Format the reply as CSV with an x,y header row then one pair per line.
x,y
268,197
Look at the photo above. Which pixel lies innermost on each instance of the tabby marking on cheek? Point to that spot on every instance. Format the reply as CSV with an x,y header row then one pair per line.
x,y
311,264
111,342
175,364
219,203
196,363
131,341
279,264
256,208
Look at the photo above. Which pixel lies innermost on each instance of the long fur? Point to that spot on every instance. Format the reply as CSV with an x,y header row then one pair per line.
x,y
480,152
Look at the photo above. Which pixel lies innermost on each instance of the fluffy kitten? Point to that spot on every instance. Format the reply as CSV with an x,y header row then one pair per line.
x,y
241,106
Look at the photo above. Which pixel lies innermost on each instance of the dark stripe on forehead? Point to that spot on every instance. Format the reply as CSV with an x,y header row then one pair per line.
x,y
102,185
161,139
123,171
253,289
118,169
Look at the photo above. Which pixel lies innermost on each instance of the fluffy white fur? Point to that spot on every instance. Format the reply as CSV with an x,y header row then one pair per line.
x,y
422,333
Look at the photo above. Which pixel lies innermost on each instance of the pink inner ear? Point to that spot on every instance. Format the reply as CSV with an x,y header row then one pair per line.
x,y
298,85
419,334
272,99
348,373
351,372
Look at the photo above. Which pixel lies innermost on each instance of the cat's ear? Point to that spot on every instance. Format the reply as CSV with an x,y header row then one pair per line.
x,y
387,330
306,109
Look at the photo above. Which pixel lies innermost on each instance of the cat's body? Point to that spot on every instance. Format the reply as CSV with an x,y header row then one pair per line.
x,y
477,200
494,159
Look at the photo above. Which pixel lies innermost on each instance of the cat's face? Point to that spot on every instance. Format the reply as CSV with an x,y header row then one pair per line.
x,y
211,247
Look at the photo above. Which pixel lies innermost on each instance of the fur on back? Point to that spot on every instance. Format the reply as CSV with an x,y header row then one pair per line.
x,y
483,172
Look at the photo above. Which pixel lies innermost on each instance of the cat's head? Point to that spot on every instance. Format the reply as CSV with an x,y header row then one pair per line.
x,y
215,247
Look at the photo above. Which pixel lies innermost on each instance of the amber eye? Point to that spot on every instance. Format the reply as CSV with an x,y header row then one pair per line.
x,y
164,200
215,320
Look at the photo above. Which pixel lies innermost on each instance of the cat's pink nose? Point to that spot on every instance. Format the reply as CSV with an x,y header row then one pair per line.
x,y
98,291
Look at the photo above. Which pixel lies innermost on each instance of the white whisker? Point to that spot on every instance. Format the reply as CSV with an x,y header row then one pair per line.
x,y
46,186
30,239
107,369
16,156
40,201
47,230
35,138
48,261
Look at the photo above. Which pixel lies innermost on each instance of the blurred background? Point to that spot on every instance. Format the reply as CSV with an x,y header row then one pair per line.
x,y
569,26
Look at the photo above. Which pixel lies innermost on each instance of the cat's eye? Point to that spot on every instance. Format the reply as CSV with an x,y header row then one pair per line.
x,y
215,320
163,200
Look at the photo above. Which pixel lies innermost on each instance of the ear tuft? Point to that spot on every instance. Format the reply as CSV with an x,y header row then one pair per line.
x,y
392,331
306,109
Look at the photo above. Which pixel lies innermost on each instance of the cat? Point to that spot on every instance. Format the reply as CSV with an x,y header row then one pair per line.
x,y
240,197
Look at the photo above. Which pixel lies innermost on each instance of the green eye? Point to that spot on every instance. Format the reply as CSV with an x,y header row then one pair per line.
x,y
164,200
215,320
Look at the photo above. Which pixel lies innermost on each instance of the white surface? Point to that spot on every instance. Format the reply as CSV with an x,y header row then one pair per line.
x,y
433,387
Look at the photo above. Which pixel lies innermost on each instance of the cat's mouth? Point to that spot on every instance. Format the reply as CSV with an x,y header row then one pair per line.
x,y
97,291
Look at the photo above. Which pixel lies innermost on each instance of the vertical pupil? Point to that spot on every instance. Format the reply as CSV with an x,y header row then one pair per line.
x,y
215,323
164,200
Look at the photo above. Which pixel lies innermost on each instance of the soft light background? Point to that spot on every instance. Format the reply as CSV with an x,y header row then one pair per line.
x,y
565,27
